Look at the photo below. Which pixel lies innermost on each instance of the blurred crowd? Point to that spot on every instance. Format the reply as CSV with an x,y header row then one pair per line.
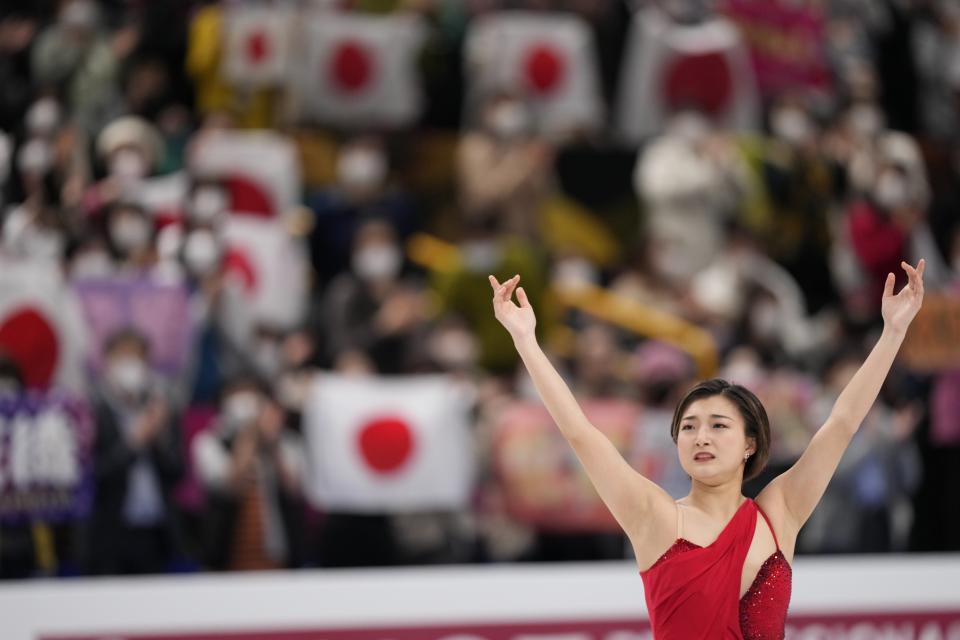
x,y
775,241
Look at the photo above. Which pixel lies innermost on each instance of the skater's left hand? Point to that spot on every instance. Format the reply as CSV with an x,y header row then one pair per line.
x,y
899,310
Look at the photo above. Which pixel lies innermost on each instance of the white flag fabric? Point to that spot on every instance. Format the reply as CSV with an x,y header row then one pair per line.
x,y
668,66
163,197
260,169
359,70
41,327
257,40
388,444
272,268
548,59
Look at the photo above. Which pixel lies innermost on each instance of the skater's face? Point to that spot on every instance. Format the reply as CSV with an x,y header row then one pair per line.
x,y
712,441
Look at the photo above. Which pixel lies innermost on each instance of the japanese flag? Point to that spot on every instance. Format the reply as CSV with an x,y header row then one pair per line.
x,y
257,41
388,444
271,267
668,66
40,324
260,169
360,71
549,59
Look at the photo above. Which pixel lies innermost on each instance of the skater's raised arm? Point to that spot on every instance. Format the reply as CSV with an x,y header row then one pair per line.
x,y
638,504
798,490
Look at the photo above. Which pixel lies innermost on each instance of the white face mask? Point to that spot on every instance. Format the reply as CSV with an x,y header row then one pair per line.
x,y
241,409
765,320
865,120
791,125
128,375
891,191
575,273
377,262
128,165
361,168
480,256
201,252
43,117
509,120
267,356
36,156
130,233
454,349
207,204
690,127
91,264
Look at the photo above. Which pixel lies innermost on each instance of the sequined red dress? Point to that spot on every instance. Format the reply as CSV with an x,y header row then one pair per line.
x,y
693,591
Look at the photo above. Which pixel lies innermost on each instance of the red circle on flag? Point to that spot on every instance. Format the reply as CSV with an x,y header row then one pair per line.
x,y
237,263
247,196
702,81
258,47
351,66
386,443
31,342
546,68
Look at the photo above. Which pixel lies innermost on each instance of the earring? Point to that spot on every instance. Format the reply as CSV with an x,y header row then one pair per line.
x,y
746,456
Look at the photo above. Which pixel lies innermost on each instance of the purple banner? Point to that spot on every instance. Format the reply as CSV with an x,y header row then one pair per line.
x,y
160,311
46,443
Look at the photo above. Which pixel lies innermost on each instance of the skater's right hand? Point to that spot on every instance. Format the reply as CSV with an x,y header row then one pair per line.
x,y
518,320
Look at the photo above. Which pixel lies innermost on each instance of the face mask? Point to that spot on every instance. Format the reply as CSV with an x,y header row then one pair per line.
x,y
509,120
575,273
765,320
240,409
128,165
672,265
267,356
35,157
130,233
378,262
791,125
865,121
201,253
454,349
480,255
691,128
79,14
128,375
891,191
207,204
43,117
361,168
91,264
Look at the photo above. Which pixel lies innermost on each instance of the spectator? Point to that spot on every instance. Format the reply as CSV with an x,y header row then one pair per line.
x,y
251,466
137,462
375,312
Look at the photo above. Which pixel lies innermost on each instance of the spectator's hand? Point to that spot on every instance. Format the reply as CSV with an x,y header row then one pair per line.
x,y
151,424
519,321
244,457
899,310
270,424
125,41
400,311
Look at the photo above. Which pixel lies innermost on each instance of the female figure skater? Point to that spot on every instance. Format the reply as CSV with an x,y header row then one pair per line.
x,y
711,567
